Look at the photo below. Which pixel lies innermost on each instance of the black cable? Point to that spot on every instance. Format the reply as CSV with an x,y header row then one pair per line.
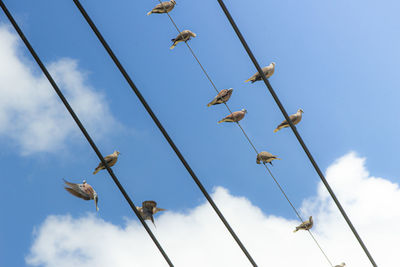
x,y
161,128
82,128
303,145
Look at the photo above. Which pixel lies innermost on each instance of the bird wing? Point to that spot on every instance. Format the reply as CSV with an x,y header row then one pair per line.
x,y
160,6
291,117
77,193
149,204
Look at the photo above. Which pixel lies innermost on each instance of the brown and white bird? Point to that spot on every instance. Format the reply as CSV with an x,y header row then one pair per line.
x,y
110,159
268,71
265,157
163,7
222,97
341,265
148,209
307,225
235,116
295,118
184,36
83,190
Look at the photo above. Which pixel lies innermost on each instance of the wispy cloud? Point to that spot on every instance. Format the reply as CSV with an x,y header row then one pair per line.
x,y
31,114
197,238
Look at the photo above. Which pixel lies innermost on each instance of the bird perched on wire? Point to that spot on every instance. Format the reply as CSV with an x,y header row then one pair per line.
x,y
268,71
148,209
222,97
265,157
163,7
110,159
184,36
341,265
235,116
295,118
83,190
307,225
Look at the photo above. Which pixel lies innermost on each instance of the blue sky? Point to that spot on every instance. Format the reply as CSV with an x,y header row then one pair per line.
x,y
338,61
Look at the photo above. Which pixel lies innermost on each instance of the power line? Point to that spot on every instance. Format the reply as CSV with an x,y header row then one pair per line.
x,y
161,128
247,137
303,145
82,128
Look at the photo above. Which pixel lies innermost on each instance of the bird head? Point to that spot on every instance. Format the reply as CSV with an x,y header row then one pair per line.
x,y
230,90
96,200
310,219
244,110
117,152
300,110
173,1
192,34
273,64
84,182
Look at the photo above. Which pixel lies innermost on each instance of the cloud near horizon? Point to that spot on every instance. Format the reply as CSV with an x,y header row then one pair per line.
x,y
198,238
31,115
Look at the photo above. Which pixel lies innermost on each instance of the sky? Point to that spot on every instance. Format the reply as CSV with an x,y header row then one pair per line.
x,y
338,61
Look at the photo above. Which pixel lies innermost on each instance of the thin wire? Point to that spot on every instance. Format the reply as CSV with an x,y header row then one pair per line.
x,y
303,145
82,128
162,129
247,137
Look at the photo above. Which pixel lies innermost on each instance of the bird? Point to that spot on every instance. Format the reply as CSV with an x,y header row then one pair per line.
x,y
341,265
307,225
83,190
295,118
234,116
163,7
182,37
222,97
268,71
148,209
265,157
110,159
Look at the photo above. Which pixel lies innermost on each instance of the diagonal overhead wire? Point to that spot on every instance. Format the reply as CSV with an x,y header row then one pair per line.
x,y
82,128
162,129
296,133
248,138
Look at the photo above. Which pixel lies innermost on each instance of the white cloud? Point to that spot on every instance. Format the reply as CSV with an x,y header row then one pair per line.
x,y
197,238
31,114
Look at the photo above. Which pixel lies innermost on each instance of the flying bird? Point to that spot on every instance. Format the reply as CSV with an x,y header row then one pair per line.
x,y
265,157
110,159
341,265
148,209
182,37
83,190
222,97
295,118
235,116
307,225
268,71
163,7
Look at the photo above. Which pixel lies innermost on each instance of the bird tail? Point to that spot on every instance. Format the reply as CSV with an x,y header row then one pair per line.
x,y
96,170
277,158
297,229
248,80
211,103
149,13
173,45
221,121
258,161
277,129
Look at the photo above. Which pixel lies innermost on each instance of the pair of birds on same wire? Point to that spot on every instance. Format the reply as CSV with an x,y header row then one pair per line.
x,y
85,191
